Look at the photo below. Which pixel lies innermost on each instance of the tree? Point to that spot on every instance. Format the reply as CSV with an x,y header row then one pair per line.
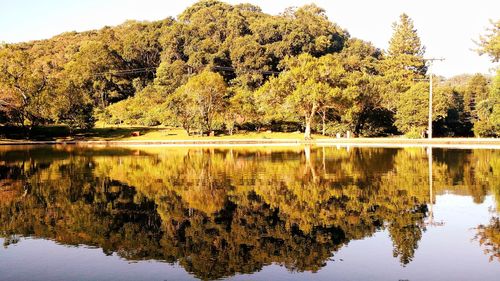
x,y
73,107
139,41
366,115
250,61
24,83
404,62
303,88
170,76
490,43
413,109
476,90
488,112
201,99
240,109
181,109
90,69
457,121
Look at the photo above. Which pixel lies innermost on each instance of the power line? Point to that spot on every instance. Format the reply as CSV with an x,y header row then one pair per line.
x,y
153,70
232,69
127,71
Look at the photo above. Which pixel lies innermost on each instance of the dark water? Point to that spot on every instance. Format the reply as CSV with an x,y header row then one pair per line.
x,y
70,213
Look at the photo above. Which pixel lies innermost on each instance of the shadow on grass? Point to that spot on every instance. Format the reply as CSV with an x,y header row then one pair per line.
x,y
114,133
52,133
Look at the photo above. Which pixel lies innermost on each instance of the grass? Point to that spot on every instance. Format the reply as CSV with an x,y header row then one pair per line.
x,y
179,134
61,133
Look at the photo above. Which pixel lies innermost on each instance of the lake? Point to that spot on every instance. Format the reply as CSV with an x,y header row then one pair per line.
x,y
268,213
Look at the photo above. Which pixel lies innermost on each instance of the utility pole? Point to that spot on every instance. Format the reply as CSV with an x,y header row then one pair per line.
x,y
431,61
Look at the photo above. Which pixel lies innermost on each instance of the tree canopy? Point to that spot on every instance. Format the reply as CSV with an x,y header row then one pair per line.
x,y
297,70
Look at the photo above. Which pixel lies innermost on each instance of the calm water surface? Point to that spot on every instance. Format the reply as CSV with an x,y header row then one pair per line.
x,y
69,213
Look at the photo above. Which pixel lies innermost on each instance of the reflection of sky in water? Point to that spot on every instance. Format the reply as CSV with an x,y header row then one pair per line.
x,y
445,252
36,259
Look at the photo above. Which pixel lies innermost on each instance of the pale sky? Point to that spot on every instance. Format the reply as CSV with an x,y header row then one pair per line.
x,y
446,27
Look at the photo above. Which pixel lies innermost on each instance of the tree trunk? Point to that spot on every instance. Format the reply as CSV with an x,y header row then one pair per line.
x,y
307,132
309,118
323,119
359,124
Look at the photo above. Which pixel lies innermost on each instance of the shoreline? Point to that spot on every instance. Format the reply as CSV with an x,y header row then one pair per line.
x,y
489,143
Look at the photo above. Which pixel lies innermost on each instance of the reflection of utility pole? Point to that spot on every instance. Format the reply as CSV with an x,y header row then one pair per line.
x,y
431,61
431,191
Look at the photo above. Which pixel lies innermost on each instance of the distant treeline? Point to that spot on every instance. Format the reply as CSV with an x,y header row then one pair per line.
x,y
220,67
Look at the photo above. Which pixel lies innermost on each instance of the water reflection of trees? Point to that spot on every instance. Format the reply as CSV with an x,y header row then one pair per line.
x,y
220,212
489,238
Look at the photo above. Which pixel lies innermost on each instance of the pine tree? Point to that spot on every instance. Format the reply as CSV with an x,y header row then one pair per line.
x,y
405,40
404,62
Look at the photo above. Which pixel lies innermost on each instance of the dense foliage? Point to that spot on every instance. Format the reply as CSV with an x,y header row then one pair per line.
x,y
292,71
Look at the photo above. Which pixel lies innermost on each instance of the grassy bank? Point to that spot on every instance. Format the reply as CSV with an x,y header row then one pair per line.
x,y
164,135
61,133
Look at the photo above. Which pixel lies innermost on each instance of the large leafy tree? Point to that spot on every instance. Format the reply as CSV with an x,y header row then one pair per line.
x,y
241,108
91,71
199,101
476,91
24,84
488,110
413,109
366,115
303,88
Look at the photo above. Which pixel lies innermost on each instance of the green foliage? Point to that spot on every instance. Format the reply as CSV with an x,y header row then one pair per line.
x,y
307,84
199,102
490,43
404,62
476,91
413,109
488,112
414,133
140,110
283,71
405,40
412,114
454,121
24,83
241,109
89,71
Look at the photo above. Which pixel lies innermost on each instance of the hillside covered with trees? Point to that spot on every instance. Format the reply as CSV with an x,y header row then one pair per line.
x,y
221,68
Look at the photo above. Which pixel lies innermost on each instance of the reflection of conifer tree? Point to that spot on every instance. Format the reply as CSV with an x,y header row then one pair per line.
x,y
405,222
406,232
